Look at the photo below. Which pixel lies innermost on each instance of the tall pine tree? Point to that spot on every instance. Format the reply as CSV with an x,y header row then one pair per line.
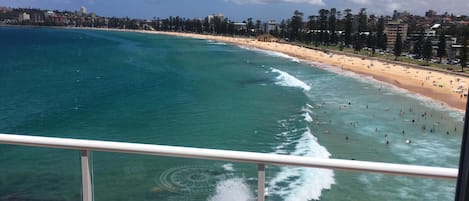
x,y
357,45
362,26
427,49
418,46
296,25
463,53
348,27
323,14
380,35
398,46
441,46
333,25
312,26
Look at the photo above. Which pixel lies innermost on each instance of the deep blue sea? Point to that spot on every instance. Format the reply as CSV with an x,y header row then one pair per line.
x,y
166,90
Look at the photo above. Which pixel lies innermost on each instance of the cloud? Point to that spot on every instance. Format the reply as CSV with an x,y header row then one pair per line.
x,y
385,7
312,2
413,6
360,1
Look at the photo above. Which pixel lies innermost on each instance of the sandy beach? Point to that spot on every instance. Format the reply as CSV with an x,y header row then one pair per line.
x,y
447,88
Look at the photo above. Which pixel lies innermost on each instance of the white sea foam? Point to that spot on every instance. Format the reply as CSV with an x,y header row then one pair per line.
x,y
307,110
228,167
281,149
285,79
211,42
308,117
272,53
303,183
234,189
429,149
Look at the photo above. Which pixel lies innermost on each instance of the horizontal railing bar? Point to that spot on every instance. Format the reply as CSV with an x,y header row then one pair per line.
x,y
227,155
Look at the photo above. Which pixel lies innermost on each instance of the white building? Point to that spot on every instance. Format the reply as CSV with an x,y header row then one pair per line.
x,y
240,26
82,10
270,26
213,16
48,14
24,17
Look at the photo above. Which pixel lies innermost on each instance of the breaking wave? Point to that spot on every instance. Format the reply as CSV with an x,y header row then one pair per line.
x,y
299,183
285,79
211,42
272,53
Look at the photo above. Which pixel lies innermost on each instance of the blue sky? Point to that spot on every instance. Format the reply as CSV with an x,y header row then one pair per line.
x,y
239,9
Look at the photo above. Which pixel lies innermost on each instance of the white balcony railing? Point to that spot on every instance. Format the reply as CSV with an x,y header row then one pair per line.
x,y
261,159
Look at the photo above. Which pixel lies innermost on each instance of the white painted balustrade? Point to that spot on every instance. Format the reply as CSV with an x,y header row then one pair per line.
x,y
261,159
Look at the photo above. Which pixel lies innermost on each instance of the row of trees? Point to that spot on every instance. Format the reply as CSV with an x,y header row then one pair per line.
x,y
329,28
214,25
332,27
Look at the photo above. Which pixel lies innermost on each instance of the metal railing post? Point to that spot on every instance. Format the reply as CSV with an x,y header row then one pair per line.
x,y
260,182
86,183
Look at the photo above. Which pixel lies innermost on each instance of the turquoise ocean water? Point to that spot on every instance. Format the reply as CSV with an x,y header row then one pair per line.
x,y
178,91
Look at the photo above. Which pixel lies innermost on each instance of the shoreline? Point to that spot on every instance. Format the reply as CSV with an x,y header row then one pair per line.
x,y
436,85
446,88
